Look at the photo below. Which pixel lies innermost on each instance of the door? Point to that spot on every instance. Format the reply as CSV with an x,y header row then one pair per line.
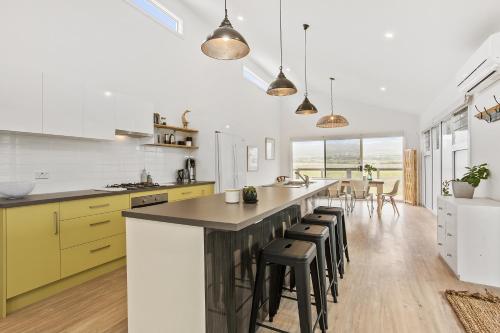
x,y
133,114
20,99
98,113
428,181
62,104
436,165
33,253
230,160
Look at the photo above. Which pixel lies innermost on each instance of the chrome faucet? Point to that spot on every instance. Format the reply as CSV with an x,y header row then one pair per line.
x,y
304,178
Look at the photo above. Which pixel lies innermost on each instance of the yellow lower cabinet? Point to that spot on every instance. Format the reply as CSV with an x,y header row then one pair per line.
x,y
206,189
82,257
33,253
90,228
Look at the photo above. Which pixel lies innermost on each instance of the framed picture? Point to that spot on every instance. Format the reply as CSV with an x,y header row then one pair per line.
x,y
252,158
270,148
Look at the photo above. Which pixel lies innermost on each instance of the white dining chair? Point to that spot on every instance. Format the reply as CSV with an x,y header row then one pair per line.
x,y
360,190
337,191
389,197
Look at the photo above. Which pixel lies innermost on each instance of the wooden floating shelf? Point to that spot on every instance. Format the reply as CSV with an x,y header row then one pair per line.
x,y
175,128
167,145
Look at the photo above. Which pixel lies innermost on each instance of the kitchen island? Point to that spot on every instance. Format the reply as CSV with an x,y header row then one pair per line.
x,y
191,264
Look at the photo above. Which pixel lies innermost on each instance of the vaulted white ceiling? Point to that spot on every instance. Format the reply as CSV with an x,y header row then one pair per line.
x,y
432,40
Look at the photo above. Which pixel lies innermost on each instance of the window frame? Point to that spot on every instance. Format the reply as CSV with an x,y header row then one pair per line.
x,y
179,31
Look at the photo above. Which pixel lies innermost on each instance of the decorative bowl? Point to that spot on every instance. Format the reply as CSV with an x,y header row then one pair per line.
x,y
16,189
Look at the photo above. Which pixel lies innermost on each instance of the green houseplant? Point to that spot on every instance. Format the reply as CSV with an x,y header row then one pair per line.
x,y
249,194
369,169
465,186
446,188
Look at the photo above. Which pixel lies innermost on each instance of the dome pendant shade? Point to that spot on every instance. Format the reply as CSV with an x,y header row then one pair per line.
x,y
225,43
281,86
306,107
332,121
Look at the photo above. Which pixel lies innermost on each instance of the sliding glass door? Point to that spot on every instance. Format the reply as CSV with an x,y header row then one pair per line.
x,y
344,158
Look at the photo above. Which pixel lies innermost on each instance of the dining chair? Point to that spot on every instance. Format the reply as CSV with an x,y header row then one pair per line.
x,y
360,190
389,197
337,191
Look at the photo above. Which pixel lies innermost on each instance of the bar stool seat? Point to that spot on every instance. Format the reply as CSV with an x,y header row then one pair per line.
x,y
341,230
301,256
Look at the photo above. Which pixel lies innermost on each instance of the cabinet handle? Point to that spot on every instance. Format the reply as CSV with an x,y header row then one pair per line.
x,y
440,244
449,235
56,223
440,208
184,193
99,223
100,248
449,214
448,255
99,206
440,225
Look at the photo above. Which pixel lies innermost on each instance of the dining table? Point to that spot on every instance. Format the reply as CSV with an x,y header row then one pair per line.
x,y
376,183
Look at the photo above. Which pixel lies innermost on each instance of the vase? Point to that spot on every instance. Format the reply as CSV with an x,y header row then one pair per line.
x,y
370,176
463,190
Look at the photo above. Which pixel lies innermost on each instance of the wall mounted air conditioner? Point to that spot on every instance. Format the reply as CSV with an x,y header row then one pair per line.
x,y
482,69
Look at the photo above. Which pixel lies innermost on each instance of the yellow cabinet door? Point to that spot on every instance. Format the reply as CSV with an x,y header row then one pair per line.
x,y
33,253
189,192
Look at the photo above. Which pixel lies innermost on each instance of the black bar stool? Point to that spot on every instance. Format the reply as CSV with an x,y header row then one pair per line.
x,y
300,255
329,221
339,213
318,235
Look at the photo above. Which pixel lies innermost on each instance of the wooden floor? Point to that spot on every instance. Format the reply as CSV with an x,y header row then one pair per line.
x,y
394,283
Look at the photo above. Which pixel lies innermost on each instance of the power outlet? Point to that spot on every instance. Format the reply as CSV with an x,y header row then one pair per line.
x,y
42,175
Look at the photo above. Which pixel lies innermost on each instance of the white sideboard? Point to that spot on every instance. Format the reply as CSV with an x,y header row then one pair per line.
x,y
468,238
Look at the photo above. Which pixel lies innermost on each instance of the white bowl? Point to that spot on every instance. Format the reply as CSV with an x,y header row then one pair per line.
x,y
16,189
232,195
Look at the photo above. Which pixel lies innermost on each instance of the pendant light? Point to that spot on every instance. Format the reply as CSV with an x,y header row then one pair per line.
x,y
306,107
333,120
281,86
225,43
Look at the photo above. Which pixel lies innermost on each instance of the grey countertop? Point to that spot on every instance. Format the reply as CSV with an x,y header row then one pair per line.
x,y
37,199
212,212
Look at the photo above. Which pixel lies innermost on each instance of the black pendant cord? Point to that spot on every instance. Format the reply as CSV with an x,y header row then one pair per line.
x,y
305,56
225,8
331,93
281,42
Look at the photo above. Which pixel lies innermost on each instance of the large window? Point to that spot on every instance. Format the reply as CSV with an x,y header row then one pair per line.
x,y
155,10
344,158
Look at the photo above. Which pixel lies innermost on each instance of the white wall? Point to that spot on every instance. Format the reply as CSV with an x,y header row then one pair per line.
x,y
113,43
364,120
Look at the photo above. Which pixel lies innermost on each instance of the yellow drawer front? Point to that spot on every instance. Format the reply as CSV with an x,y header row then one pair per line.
x,y
183,193
90,228
86,207
206,189
80,258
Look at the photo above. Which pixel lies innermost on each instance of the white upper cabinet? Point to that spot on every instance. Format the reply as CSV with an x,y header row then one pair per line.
x,y
133,114
20,99
62,104
98,113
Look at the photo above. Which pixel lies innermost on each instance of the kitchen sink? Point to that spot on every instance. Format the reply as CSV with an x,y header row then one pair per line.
x,y
296,183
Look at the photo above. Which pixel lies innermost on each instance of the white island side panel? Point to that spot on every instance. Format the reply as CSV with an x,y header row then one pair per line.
x,y
165,277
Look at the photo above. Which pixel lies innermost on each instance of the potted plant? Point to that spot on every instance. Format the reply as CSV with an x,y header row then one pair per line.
x,y
465,186
446,188
249,194
369,169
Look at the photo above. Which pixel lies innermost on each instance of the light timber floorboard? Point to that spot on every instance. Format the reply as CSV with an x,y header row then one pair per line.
x,y
394,283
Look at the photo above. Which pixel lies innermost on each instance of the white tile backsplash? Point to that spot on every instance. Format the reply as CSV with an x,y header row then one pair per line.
x,y
75,164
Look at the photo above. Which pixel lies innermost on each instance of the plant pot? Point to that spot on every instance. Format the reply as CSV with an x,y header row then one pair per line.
x,y
463,190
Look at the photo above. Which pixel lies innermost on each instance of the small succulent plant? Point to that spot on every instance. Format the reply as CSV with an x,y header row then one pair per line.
x,y
249,194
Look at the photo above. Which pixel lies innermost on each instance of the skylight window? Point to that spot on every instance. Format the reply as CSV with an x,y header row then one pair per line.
x,y
255,79
155,10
